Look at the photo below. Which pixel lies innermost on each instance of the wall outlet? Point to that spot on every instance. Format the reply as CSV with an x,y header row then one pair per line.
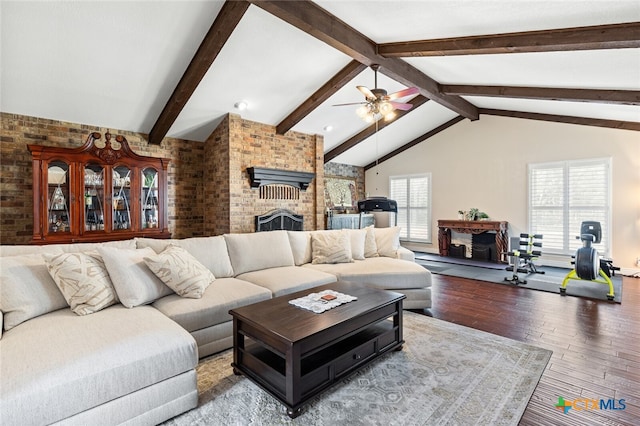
x,y
638,261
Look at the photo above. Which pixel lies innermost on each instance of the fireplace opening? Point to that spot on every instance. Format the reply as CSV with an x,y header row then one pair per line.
x,y
279,219
483,247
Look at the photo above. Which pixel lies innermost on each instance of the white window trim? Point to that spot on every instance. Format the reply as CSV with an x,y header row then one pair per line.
x,y
429,208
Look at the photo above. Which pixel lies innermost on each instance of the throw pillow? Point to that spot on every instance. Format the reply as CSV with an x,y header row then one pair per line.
x,y
357,239
370,246
134,282
83,280
26,289
180,271
388,241
330,247
300,246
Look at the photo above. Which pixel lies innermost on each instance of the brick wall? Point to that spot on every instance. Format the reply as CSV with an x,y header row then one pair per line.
x,y
185,183
253,144
208,185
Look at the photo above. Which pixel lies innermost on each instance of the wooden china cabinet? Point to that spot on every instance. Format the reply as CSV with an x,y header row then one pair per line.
x,y
97,192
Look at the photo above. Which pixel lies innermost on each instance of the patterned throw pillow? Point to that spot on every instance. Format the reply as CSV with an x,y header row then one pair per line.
x,y
83,280
331,247
180,271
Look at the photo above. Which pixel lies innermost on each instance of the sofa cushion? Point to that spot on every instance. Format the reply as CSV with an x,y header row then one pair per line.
x,y
380,272
83,280
27,289
18,250
180,271
259,250
357,239
61,364
133,280
213,308
388,241
300,246
331,247
370,247
288,279
210,251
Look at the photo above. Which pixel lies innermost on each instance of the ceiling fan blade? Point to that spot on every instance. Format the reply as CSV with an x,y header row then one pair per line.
x,y
402,106
350,103
366,92
402,93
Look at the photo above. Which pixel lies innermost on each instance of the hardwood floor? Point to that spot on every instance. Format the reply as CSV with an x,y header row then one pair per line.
x,y
595,344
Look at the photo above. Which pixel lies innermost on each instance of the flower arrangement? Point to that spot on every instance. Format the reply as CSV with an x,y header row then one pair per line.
x,y
472,214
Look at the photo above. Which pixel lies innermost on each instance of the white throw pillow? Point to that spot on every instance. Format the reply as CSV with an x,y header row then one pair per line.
x,y
133,280
370,246
83,280
388,241
357,237
300,246
259,250
26,289
331,247
180,271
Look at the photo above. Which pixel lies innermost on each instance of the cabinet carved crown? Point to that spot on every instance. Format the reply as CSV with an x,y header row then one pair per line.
x,y
98,192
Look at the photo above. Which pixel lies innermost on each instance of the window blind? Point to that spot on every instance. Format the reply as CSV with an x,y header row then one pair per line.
x,y
564,194
413,195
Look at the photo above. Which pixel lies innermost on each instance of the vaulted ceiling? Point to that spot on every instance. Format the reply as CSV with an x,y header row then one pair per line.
x,y
175,68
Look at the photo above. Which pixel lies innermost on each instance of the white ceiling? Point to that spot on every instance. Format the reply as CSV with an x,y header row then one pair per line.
x,y
115,64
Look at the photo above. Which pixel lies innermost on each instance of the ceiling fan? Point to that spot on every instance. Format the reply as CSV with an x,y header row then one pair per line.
x,y
377,101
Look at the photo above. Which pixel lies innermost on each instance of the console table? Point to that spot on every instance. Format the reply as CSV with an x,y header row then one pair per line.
x,y
474,227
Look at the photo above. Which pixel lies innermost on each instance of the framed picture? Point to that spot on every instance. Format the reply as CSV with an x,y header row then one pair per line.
x,y
340,192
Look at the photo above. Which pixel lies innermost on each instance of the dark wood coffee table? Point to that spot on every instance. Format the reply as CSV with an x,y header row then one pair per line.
x,y
294,354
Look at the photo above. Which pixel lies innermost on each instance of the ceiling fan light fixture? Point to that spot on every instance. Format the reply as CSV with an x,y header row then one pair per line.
x,y
385,108
389,116
362,111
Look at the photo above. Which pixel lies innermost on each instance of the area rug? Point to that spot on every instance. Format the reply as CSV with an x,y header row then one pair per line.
x,y
446,374
550,281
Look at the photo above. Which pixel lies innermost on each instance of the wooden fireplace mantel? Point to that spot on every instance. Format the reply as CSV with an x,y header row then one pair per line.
x,y
474,227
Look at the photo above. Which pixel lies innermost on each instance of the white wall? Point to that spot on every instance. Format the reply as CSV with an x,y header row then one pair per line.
x,y
483,164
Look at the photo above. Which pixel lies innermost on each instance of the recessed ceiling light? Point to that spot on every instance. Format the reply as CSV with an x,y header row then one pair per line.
x,y
328,128
241,105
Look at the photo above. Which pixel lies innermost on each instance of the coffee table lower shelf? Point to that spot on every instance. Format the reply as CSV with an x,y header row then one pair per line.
x,y
294,377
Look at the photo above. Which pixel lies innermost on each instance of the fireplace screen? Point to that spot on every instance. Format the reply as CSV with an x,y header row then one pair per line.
x,y
279,219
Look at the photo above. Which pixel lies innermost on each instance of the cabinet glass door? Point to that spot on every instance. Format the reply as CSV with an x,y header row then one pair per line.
x,y
121,206
59,219
93,197
149,198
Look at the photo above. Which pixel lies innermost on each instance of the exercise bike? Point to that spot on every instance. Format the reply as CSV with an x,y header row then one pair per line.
x,y
588,266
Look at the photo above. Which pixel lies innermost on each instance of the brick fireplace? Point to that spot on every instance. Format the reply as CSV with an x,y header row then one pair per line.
x,y
237,145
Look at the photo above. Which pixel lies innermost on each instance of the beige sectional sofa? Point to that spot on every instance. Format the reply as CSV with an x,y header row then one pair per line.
x,y
133,360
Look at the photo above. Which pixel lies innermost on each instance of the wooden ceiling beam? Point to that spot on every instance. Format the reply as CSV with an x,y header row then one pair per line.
x,y
605,96
343,76
371,130
312,19
414,142
220,31
613,124
614,36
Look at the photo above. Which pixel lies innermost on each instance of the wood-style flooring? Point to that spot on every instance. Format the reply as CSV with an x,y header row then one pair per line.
x,y
595,344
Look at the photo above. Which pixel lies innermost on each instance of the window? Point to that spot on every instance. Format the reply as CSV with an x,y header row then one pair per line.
x,y
413,195
564,194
